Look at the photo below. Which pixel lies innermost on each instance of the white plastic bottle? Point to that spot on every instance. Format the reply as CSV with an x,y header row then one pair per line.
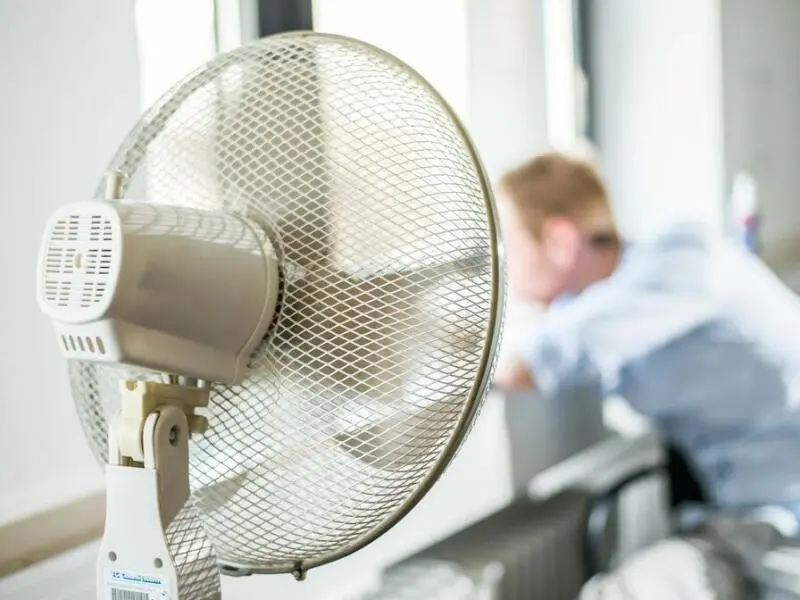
x,y
744,209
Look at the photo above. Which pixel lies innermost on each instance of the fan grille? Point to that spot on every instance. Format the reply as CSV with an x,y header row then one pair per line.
x,y
391,303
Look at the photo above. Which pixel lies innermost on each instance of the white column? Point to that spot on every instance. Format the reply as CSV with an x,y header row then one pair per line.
x,y
659,105
506,103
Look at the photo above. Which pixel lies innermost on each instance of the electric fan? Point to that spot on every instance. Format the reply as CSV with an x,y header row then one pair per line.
x,y
294,260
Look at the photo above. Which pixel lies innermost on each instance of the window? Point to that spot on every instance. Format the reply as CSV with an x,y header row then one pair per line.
x,y
431,36
174,38
566,81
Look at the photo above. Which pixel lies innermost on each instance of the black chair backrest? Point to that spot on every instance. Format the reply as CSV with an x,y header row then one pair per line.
x,y
540,545
684,485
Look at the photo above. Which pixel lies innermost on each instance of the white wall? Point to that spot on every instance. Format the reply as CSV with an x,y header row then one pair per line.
x,y
659,105
761,79
69,93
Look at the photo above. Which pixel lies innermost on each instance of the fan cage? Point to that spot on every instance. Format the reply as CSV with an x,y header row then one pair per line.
x,y
221,468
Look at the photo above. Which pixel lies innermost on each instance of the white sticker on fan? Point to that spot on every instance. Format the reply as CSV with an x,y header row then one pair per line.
x,y
127,585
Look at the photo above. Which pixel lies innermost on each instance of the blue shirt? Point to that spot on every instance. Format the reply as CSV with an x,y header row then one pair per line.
x,y
700,337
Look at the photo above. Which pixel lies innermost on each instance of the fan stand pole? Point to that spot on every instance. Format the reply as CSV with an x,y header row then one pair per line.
x,y
147,484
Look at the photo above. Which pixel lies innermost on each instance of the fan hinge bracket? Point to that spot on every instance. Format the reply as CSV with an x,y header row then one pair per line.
x,y
140,400
147,484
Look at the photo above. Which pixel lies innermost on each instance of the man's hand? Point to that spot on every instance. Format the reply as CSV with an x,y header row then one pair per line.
x,y
518,379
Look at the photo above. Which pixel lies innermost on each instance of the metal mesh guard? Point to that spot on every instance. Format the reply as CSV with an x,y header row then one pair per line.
x,y
392,297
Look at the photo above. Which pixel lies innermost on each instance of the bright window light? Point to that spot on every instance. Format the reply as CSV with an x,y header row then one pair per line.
x,y
561,73
174,38
429,35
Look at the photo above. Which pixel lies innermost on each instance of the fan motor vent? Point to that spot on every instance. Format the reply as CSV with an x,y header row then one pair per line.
x,y
83,343
78,261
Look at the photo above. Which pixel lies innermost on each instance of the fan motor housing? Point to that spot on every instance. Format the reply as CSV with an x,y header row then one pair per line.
x,y
166,288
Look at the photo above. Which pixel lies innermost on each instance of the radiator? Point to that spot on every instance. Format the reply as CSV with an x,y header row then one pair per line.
x,y
541,547
529,550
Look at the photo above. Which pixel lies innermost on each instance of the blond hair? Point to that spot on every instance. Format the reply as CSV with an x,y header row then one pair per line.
x,y
555,184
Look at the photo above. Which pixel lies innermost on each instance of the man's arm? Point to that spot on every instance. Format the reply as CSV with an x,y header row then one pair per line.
x,y
518,379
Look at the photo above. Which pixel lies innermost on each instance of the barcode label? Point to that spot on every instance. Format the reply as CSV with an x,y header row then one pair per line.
x,y
131,585
118,594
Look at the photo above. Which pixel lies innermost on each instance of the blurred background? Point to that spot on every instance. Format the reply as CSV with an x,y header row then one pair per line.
x,y
674,99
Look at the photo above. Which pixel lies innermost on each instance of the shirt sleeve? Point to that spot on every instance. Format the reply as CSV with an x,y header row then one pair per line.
x,y
657,294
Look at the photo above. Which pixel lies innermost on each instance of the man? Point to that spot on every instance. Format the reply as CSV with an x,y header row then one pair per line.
x,y
696,334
